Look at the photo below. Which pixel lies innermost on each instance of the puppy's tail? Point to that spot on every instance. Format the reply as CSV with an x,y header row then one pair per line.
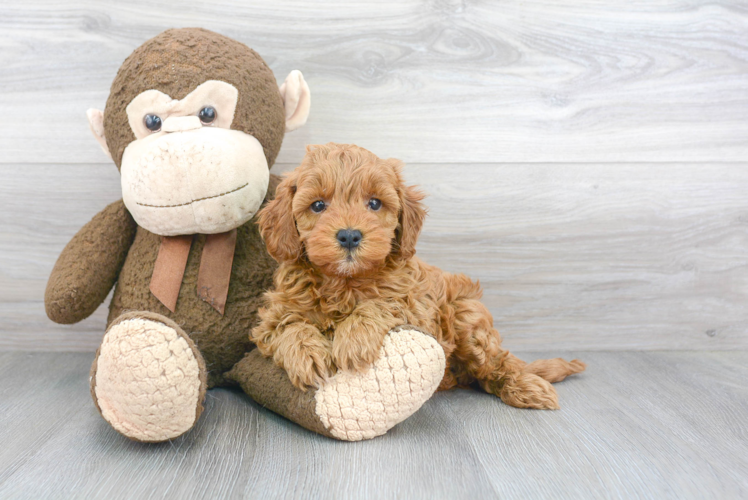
x,y
553,370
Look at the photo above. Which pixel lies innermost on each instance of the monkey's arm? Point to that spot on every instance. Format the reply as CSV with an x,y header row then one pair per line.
x,y
89,265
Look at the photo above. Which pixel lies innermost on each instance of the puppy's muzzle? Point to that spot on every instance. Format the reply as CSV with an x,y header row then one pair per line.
x,y
349,238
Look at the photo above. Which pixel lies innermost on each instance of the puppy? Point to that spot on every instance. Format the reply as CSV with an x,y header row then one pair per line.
x,y
343,227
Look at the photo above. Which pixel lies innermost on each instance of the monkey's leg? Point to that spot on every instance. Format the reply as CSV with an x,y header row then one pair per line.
x,y
148,379
352,406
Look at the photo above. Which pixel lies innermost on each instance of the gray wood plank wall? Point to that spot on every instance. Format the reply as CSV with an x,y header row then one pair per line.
x,y
586,161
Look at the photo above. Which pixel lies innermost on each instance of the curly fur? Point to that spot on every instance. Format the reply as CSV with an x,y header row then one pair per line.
x,y
332,307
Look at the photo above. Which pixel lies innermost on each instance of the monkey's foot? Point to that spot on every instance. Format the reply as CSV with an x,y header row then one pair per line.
x,y
148,379
353,406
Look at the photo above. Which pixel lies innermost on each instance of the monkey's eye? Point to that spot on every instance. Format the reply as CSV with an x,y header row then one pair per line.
x,y
152,123
375,204
318,206
207,114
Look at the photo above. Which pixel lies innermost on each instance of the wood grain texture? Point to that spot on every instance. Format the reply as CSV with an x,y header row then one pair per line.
x,y
515,117
572,256
422,80
635,425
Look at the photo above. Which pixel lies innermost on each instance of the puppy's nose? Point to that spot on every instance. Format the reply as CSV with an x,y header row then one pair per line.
x,y
349,238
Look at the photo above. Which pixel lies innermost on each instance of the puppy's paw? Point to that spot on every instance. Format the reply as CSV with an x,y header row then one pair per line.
x,y
351,355
529,391
308,363
356,345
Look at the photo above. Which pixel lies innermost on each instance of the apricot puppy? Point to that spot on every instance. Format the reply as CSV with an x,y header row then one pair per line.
x,y
343,227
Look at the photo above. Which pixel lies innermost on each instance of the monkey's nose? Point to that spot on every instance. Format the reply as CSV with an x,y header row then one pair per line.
x,y
181,123
349,238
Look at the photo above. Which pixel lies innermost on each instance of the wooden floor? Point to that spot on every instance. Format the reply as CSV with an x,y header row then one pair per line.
x,y
635,425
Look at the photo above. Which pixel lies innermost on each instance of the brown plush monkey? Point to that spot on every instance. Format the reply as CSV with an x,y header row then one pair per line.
x,y
193,122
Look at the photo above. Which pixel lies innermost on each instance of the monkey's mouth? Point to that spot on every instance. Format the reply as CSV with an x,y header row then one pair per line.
x,y
193,201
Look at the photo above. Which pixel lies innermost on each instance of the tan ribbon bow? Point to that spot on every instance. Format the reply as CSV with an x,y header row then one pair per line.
x,y
214,274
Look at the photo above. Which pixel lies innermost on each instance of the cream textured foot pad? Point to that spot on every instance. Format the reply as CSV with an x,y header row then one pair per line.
x,y
147,381
355,406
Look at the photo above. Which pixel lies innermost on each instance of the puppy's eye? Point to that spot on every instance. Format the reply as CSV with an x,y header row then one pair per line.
x,y
375,204
318,206
152,122
207,114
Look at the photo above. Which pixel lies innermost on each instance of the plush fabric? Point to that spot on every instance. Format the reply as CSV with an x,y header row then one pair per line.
x,y
408,371
214,276
204,181
89,265
168,270
296,100
220,95
176,62
148,380
269,385
222,339
96,124
352,406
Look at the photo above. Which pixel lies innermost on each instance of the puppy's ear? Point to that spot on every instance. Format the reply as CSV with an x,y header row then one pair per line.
x,y
277,225
412,215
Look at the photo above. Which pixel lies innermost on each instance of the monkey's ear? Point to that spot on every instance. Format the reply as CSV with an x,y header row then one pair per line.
x,y
96,124
296,100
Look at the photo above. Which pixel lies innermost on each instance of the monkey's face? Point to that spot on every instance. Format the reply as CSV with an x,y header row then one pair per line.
x,y
193,121
188,171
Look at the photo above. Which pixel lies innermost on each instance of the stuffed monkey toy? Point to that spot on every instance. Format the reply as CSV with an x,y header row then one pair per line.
x,y
194,121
